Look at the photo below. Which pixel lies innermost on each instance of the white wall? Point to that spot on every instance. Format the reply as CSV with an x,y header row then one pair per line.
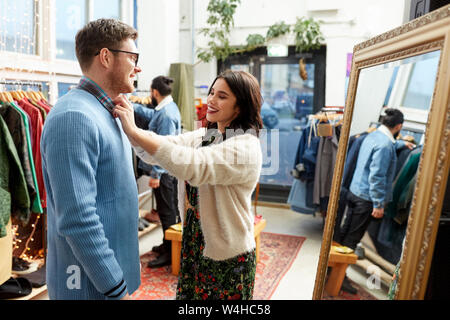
x,y
346,23
159,38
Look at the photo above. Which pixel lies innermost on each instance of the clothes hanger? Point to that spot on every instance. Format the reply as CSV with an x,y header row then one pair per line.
x,y
31,96
26,94
2,97
36,95
8,96
15,95
41,95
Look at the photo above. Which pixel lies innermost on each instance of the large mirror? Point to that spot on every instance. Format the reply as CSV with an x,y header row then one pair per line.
x,y
406,70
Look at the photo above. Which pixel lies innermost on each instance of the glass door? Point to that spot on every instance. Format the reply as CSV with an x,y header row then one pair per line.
x,y
288,100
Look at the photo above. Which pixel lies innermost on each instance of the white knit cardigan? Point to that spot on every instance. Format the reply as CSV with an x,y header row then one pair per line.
x,y
226,174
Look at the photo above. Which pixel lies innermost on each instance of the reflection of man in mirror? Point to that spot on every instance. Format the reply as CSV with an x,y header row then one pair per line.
x,y
371,186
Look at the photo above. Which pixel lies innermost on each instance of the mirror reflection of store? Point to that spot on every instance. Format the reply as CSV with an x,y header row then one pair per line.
x,y
288,100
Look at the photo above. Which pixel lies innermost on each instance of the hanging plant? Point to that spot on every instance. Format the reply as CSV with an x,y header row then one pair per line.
x,y
254,41
221,20
277,30
307,34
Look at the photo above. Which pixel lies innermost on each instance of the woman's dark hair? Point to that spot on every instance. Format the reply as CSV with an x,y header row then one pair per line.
x,y
246,89
392,118
162,84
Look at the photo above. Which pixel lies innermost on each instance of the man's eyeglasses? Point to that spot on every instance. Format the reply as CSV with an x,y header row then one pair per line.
x,y
133,53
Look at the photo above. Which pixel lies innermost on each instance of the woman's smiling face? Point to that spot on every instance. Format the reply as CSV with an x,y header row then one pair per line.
x,y
222,108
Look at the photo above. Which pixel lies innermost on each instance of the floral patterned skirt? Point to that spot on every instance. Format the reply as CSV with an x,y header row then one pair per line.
x,y
202,278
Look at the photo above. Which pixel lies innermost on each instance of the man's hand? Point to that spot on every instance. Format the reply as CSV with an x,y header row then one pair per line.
x,y
410,145
378,213
153,183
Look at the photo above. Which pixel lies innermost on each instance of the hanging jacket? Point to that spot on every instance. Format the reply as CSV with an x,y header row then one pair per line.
x,y
14,198
354,146
405,175
305,160
17,128
326,159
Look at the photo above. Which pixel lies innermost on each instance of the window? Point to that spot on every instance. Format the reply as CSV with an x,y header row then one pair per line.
x,y
240,67
106,9
18,26
64,88
70,17
421,82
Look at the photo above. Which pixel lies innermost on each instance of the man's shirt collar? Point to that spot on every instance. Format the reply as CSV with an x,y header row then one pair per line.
x,y
164,102
94,89
383,129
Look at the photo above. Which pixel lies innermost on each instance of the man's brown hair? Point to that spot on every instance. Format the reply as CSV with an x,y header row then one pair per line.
x,y
99,34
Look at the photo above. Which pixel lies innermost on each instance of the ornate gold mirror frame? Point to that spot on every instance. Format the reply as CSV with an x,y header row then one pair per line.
x,y
425,34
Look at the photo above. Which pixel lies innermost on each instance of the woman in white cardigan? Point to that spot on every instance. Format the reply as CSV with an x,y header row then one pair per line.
x,y
218,169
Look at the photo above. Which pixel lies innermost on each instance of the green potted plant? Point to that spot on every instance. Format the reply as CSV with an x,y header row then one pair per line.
x,y
306,32
308,35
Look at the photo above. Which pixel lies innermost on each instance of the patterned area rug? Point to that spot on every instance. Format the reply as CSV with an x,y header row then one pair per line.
x,y
277,253
361,294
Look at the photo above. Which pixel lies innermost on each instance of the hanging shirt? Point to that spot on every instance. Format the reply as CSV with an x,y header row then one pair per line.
x,y
38,123
41,109
305,159
44,106
36,204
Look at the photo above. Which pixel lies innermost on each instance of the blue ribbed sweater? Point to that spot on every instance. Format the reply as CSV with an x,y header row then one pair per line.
x,y
93,248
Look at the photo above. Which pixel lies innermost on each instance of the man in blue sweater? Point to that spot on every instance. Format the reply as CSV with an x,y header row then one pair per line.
x,y
164,119
93,248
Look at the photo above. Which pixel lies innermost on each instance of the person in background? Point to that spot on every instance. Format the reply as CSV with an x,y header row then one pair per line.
x,y
371,186
164,120
93,247
218,169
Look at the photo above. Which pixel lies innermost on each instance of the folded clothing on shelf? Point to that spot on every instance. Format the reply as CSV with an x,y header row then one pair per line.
x,y
15,288
37,278
20,266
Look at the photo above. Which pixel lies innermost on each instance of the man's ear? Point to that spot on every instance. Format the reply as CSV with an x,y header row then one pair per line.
x,y
398,127
105,57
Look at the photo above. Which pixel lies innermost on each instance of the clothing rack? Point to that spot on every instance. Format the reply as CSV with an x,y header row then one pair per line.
x,y
19,84
22,83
